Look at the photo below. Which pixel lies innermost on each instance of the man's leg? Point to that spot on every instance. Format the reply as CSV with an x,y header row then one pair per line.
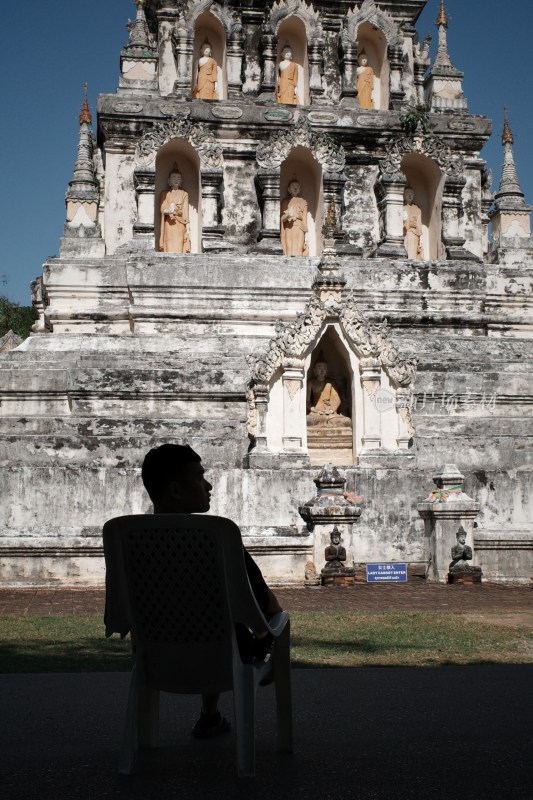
x,y
211,722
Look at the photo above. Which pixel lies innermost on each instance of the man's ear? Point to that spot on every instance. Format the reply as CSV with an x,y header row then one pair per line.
x,y
175,490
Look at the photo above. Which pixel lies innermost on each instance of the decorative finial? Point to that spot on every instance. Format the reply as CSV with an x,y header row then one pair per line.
x,y
507,135
442,18
85,115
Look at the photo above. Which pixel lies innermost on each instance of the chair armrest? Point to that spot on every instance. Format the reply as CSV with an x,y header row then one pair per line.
x,y
277,623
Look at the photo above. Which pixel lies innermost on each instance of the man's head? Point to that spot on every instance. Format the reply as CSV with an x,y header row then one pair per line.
x,y
173,476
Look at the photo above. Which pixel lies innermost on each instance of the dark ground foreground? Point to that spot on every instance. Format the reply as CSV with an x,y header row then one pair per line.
x,y
369,734
366,734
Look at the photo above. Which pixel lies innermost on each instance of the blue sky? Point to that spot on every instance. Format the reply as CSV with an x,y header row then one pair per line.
x,y
49,50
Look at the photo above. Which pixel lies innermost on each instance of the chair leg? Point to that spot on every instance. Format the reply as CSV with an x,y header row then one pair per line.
x,y
282,682
129,739
148,716
244,701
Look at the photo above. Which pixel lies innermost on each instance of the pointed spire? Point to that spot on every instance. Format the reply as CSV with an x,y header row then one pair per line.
x,y
507,135
443,57
442,18
85,115
84,184
139,40
509,190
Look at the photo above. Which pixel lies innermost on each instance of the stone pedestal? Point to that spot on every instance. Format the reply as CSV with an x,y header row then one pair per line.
x,y
465,577
342,577
445,510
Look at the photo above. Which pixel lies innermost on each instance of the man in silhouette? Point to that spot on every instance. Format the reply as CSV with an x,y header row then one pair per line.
x,y
174,478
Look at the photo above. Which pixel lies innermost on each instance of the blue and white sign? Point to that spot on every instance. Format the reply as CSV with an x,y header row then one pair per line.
x,y
386,573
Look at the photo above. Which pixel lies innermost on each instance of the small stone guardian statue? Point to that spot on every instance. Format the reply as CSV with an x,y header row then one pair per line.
x,y
207,75
412,226
293,222
174,236
460,571
365,82
335,573
287,84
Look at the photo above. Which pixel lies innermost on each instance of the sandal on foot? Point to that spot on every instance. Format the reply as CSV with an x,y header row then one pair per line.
x,y
209,726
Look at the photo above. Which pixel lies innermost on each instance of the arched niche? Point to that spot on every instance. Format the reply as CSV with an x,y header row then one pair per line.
x,y
292,33
426,179
183,154
301,165
209,29
342,449
372,41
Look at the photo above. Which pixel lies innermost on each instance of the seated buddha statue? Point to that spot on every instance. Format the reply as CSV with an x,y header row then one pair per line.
x,y
324,400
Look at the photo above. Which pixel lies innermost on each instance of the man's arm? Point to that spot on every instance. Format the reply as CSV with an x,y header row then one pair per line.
x,y
266,599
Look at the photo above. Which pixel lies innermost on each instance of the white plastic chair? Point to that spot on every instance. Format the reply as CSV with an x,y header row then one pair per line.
x,y
179,583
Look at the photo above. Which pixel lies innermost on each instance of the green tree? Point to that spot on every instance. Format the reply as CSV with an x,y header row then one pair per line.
x,y
15,317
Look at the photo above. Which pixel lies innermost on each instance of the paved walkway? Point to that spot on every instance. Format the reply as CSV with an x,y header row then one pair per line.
x,y
416,595
360,734
381,733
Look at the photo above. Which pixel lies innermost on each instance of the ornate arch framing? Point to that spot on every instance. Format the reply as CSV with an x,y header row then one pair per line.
x,y
369,341
430,146
369,12
329,154
282,9
197,134
192,9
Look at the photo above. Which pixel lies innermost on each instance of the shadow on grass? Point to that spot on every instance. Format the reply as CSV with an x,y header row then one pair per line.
x,y
89,655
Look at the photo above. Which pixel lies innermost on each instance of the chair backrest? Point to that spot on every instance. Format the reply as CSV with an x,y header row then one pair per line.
x,y
181,584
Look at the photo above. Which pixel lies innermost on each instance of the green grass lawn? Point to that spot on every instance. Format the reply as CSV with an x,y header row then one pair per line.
x,y
319,639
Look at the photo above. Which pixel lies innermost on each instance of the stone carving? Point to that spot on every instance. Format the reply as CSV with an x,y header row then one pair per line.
x,y
311,576
196,133
190,10
461,552
459,125
322,118
429,146
128,108
367,340
206,76
327,151
287,81
293,222
175,110
369,12
278,115
365,82
294,8
9,341
174,234
412,226
335,552
226,112
401,370
335,572
331,501
460,571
